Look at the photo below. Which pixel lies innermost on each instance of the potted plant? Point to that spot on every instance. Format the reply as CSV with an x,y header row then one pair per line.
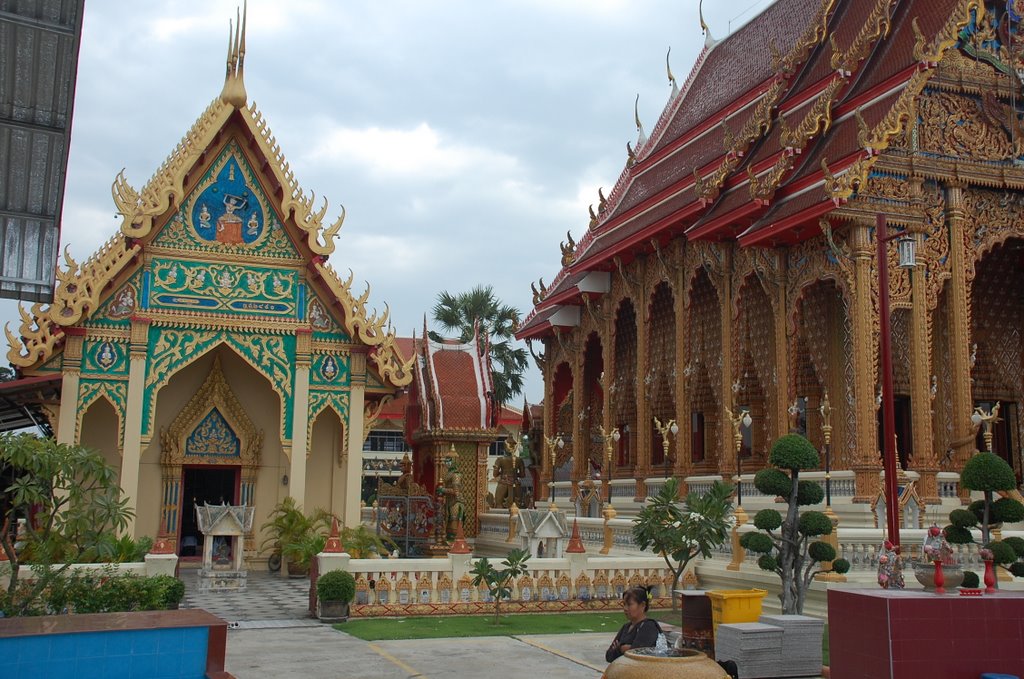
x,y
288,531
361,542
335,590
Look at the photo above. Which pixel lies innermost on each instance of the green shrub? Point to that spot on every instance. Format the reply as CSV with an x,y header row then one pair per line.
x,y
1002,553
793,451
773,482
841,566
171,588
756,542
1017,569
987,471
962,518
971,580
1017,544
767,519
336,586
1007,510
809,493
813,524
958,536
821,551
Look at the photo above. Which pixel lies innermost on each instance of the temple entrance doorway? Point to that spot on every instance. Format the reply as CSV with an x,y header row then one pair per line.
x,y
215,484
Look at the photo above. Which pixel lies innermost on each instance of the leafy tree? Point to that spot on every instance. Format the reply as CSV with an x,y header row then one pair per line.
x,y
989,473
497,321
680,533
785,544
75,504
499,582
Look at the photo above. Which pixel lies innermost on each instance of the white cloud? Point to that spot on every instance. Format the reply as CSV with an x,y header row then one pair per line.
x,y
415,152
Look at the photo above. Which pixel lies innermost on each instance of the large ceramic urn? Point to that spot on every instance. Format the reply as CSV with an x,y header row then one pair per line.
x,y
646,663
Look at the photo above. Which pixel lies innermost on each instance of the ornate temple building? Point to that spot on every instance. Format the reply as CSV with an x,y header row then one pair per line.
x,y
207,349
732,266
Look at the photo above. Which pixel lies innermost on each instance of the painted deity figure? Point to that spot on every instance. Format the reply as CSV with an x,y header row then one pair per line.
x,y
229,225
508,471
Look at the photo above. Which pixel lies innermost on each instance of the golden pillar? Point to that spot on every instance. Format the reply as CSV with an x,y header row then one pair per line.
x,y
640,440
726,396
550,420
580,438
865,459
779,417
959,331
353,467
925,461
684,455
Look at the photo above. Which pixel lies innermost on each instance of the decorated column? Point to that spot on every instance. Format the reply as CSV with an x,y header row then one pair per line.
x,y
353,468
864,321
300,417
67,422
132,446
924,462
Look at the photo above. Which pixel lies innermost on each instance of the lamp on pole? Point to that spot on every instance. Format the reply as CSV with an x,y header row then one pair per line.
x,y
745,420
607,439
554,443
907,260
826,429
669,427
986,418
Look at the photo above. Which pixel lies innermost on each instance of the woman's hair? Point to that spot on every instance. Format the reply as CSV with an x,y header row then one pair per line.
x,y
638,595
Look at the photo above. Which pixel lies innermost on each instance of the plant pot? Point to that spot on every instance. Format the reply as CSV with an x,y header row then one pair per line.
x,y
924,571
333,611
683,664
297,570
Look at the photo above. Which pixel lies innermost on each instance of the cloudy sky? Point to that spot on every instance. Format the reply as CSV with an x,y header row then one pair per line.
x,y
464,137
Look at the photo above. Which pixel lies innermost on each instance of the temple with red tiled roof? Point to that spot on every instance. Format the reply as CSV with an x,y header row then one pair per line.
x,y
733,266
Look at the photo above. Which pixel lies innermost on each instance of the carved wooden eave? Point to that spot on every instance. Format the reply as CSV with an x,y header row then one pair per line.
x,y
877,26
215,392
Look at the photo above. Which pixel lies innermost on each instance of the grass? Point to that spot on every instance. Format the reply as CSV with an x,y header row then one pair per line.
x,y
440,626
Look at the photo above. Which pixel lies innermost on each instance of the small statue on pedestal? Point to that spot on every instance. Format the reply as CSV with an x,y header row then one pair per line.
x,y
890,567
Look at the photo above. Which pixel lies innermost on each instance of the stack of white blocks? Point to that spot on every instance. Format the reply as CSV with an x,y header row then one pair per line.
x,y
801,643
776,646
754,646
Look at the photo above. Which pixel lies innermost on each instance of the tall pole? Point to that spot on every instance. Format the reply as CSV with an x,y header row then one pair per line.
x,y
892,514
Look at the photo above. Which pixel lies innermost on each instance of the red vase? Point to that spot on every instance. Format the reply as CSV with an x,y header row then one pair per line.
x,y
990,577
940,578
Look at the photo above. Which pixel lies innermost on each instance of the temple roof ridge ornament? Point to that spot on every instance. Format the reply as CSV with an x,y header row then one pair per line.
x,y
234,84
709,40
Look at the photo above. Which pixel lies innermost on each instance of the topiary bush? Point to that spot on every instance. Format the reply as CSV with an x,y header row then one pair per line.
x,y
971,580
336,586
785,543
989,473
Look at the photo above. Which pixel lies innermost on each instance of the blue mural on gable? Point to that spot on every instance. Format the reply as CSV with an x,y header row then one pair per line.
x,y
227,211
213,438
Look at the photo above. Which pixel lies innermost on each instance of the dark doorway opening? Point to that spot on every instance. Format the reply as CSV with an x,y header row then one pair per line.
x,y
904,431
216,485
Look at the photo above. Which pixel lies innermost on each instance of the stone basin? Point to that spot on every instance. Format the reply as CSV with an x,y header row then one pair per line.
x,y
924,572
648,663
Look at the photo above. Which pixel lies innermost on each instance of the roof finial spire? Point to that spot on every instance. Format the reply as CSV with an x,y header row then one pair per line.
x,y
668,69
642,138
234,85
709,39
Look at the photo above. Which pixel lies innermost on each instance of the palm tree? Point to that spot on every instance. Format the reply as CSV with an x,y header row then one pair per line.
x,y
460,313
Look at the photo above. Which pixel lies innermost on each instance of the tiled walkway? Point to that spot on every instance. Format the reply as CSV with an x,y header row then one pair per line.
x,y
269,601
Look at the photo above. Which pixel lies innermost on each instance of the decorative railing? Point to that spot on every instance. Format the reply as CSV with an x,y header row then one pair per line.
x,y
397,587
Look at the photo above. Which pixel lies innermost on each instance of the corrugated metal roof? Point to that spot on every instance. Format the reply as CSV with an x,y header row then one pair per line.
x,y
39,42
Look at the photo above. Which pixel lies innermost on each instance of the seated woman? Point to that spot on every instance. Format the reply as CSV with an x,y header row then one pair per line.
x,y
640,631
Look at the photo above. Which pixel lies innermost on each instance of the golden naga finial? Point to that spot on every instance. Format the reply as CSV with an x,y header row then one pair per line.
x,y
639,126
668,69
709,39
568,250
630,155
602,202
593,217
234,85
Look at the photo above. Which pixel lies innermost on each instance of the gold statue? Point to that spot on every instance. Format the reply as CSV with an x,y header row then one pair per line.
x,y
509,471
450,492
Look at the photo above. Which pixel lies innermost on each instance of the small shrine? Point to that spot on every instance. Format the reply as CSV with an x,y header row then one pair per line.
x,y
224,528
543,532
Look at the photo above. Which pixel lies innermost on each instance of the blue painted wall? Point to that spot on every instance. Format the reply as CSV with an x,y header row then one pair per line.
x,y
169,653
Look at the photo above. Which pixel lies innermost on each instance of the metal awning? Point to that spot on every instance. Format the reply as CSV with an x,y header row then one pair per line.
x,y
39,43
22,401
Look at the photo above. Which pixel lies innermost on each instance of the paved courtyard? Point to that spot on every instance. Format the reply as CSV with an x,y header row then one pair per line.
x,y
271,634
